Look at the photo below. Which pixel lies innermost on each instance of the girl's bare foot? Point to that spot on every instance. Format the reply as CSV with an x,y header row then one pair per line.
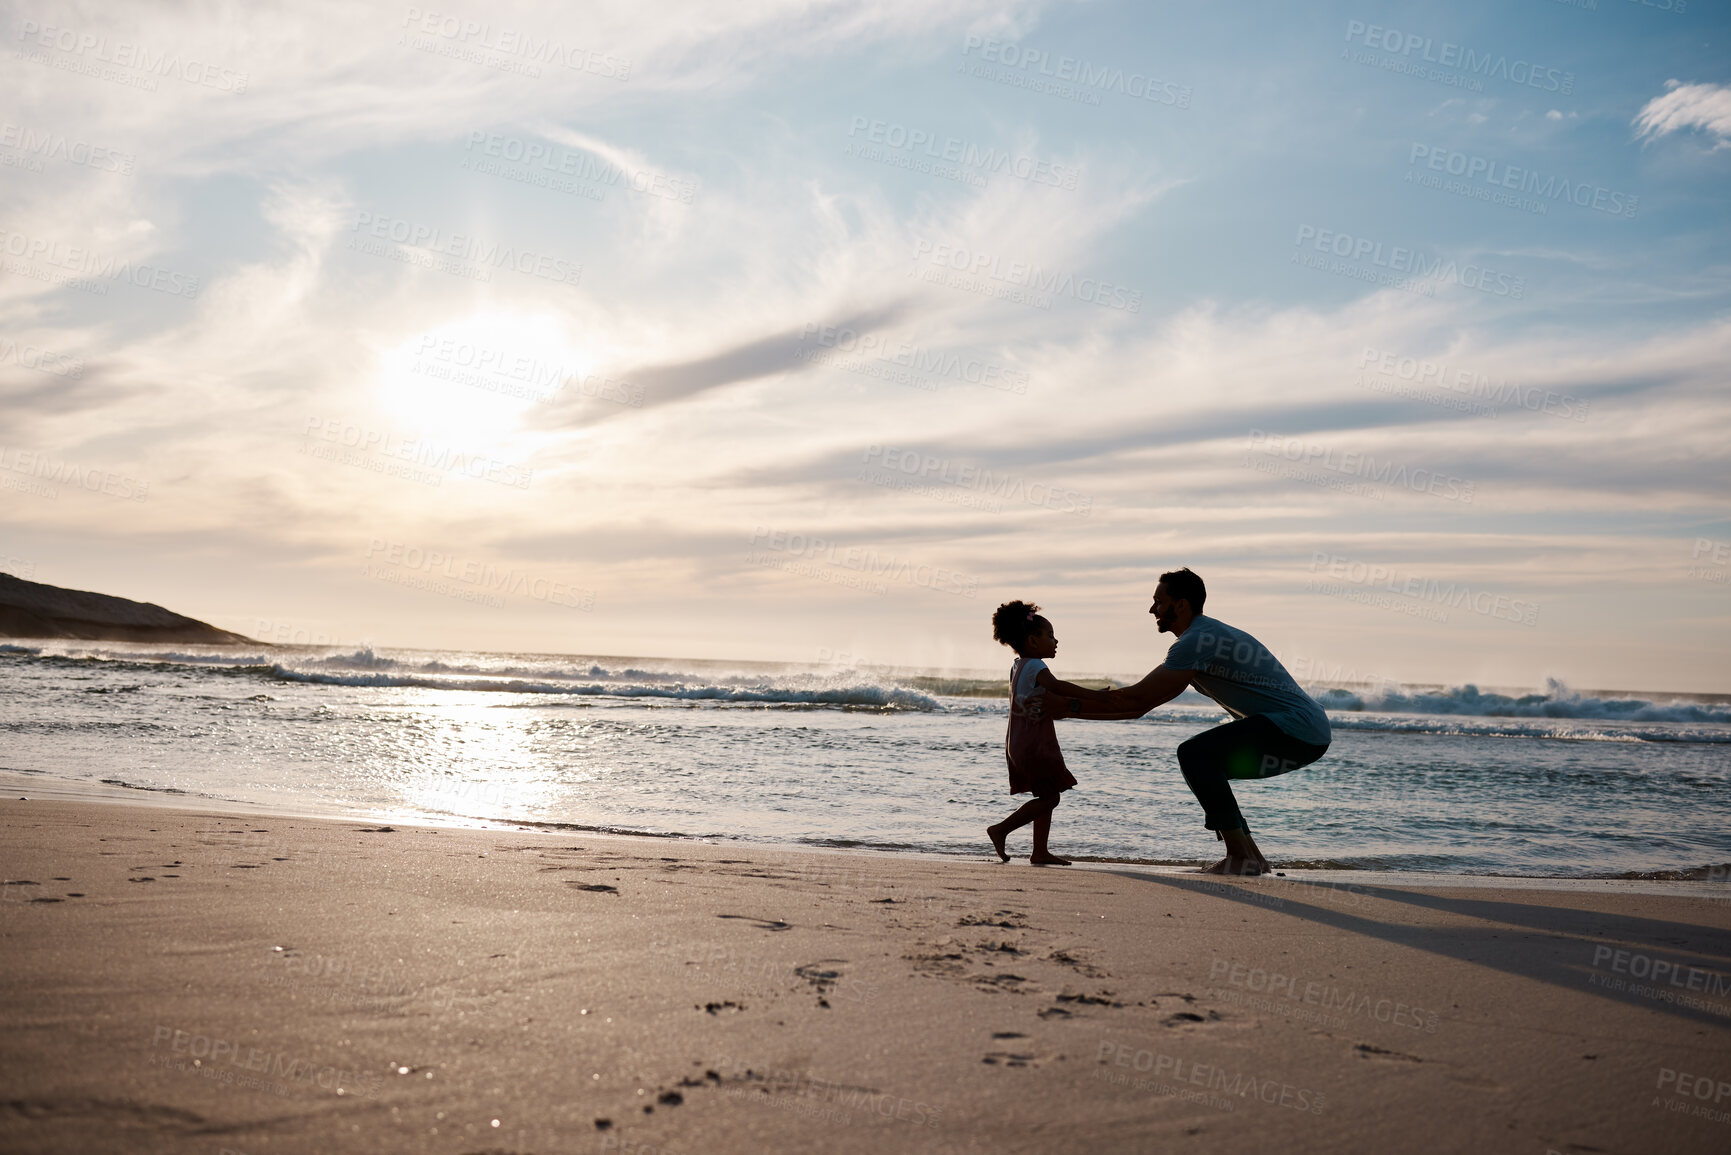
x,y
1047,860
997,837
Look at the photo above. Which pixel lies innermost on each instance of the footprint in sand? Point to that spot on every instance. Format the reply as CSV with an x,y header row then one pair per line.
x,y
1004,982
717,1008
1011,1059
1381,1055
1080,966
762,923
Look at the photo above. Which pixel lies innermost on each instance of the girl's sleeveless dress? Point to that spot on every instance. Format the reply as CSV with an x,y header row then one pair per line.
x,y
1031,748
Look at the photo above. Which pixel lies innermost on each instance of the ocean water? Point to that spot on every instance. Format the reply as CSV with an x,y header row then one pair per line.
x,y
1456,779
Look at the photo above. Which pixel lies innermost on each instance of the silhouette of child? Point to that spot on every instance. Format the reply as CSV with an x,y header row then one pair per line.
x,y
1031,747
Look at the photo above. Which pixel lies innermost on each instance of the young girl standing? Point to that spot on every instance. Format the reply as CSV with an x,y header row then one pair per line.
x,y
1036,763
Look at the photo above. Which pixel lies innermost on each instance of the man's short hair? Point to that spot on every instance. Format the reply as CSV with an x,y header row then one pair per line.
x,y
1182,583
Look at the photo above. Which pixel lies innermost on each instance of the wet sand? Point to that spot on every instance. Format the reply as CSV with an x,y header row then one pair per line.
x,y
189,981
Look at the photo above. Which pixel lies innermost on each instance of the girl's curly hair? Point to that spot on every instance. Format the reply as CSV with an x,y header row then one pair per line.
x,y
1014,622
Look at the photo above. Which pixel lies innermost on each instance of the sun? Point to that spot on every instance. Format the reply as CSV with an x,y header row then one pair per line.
x,y
479,378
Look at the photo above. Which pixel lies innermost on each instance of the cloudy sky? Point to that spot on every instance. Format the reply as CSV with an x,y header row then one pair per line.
x,y
812,331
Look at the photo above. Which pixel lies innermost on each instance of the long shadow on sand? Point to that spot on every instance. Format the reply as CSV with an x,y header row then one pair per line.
x,y
1562,946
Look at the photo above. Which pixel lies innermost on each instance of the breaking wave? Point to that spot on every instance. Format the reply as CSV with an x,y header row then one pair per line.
x,y
1556,700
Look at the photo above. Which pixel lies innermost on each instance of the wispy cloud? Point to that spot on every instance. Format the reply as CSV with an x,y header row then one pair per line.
x,y
1685,106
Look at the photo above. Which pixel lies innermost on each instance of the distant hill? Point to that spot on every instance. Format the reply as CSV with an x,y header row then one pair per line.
x,y
34,610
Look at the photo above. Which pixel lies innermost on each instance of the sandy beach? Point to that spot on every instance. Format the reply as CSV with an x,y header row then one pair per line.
x,y
179,980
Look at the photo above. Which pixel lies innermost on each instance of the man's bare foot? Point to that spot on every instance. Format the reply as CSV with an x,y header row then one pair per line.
x,y
997,837
1244,867
1047,860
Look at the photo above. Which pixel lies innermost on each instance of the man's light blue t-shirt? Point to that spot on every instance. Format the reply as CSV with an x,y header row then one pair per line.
x,y
1239,673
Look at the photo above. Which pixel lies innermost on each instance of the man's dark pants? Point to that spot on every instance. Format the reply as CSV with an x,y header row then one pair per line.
x,y
1252,747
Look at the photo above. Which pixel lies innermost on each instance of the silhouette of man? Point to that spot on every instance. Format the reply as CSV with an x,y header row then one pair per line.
x,y
1276,726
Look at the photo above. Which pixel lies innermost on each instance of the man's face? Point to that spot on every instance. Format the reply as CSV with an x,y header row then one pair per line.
x,y
1164,609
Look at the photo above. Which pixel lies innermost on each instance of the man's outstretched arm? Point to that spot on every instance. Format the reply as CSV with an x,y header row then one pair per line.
x,y
1160,686
1068,699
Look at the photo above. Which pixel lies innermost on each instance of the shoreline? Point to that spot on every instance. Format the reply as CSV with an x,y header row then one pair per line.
x,y
187,978
961,675
14,782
